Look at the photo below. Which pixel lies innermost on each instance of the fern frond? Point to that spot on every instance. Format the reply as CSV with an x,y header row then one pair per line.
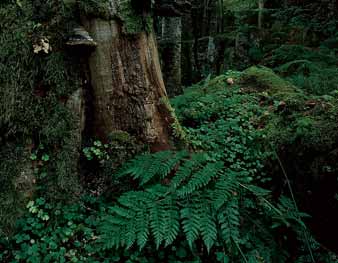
x,y
201,178
136,167
171,223
121,212
225,188
208,225
257,191
185,170
162,163
130,234
142,228
229,220
156,213
190,216
146,167
110,234
166,167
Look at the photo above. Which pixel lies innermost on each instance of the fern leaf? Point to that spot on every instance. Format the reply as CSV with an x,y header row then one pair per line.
x,y
142,228
130,234
225,188
166,167
201,178
110,235
258,191
229,220
190,216
156,214
122,212
208,226
136,167
170,224
159,160
110,241
185,170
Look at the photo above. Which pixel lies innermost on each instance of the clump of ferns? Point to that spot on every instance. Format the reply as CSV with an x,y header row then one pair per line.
x,y
194,197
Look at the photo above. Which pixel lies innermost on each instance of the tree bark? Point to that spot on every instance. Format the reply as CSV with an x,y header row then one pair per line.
x,y
260,14
171,49
127,84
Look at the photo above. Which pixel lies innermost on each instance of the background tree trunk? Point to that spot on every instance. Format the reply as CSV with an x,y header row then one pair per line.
x,y
171,49
260,14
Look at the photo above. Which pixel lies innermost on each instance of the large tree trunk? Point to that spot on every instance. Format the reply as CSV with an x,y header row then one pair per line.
x,y
127,84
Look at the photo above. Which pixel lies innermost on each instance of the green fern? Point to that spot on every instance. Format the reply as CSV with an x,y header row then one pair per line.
x,y
229,220
146,167
199,200
190,215
201,178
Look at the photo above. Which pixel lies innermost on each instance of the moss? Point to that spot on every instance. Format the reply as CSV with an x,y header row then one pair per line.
x,y
11,204
273,89
133,22
120,136
264,79
178,131
95,8
292,115
282,112
33,91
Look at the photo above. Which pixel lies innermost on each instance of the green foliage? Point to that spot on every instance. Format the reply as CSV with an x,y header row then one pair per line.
x,y
315,71
55,233
68,233
211,196
206,205
33,91
195,198
264,79
98,150
210,203
95,8
238,5
133,20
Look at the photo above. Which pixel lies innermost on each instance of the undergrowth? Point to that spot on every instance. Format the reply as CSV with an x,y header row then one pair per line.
x,y
215,201
210,203
34,87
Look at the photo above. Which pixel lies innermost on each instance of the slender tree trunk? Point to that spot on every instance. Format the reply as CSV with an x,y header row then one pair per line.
x,y
220,22
127,84
260,14
171,47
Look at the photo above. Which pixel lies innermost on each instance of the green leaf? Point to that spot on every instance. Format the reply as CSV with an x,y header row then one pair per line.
x,y
45,157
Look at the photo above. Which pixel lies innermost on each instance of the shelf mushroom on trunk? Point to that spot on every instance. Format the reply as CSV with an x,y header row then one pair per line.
x,y
81,37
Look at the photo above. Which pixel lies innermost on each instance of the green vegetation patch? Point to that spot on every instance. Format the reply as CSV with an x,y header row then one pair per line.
x,y
37,76
133,20
312,70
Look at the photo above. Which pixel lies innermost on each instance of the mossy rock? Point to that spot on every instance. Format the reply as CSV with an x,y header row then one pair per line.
x,y
262,79
273,89
283,112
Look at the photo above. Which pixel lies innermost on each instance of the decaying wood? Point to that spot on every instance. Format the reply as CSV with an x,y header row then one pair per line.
x,y
127,84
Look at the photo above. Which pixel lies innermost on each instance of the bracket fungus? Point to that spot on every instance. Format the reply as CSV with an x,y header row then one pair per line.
x,y
81,38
